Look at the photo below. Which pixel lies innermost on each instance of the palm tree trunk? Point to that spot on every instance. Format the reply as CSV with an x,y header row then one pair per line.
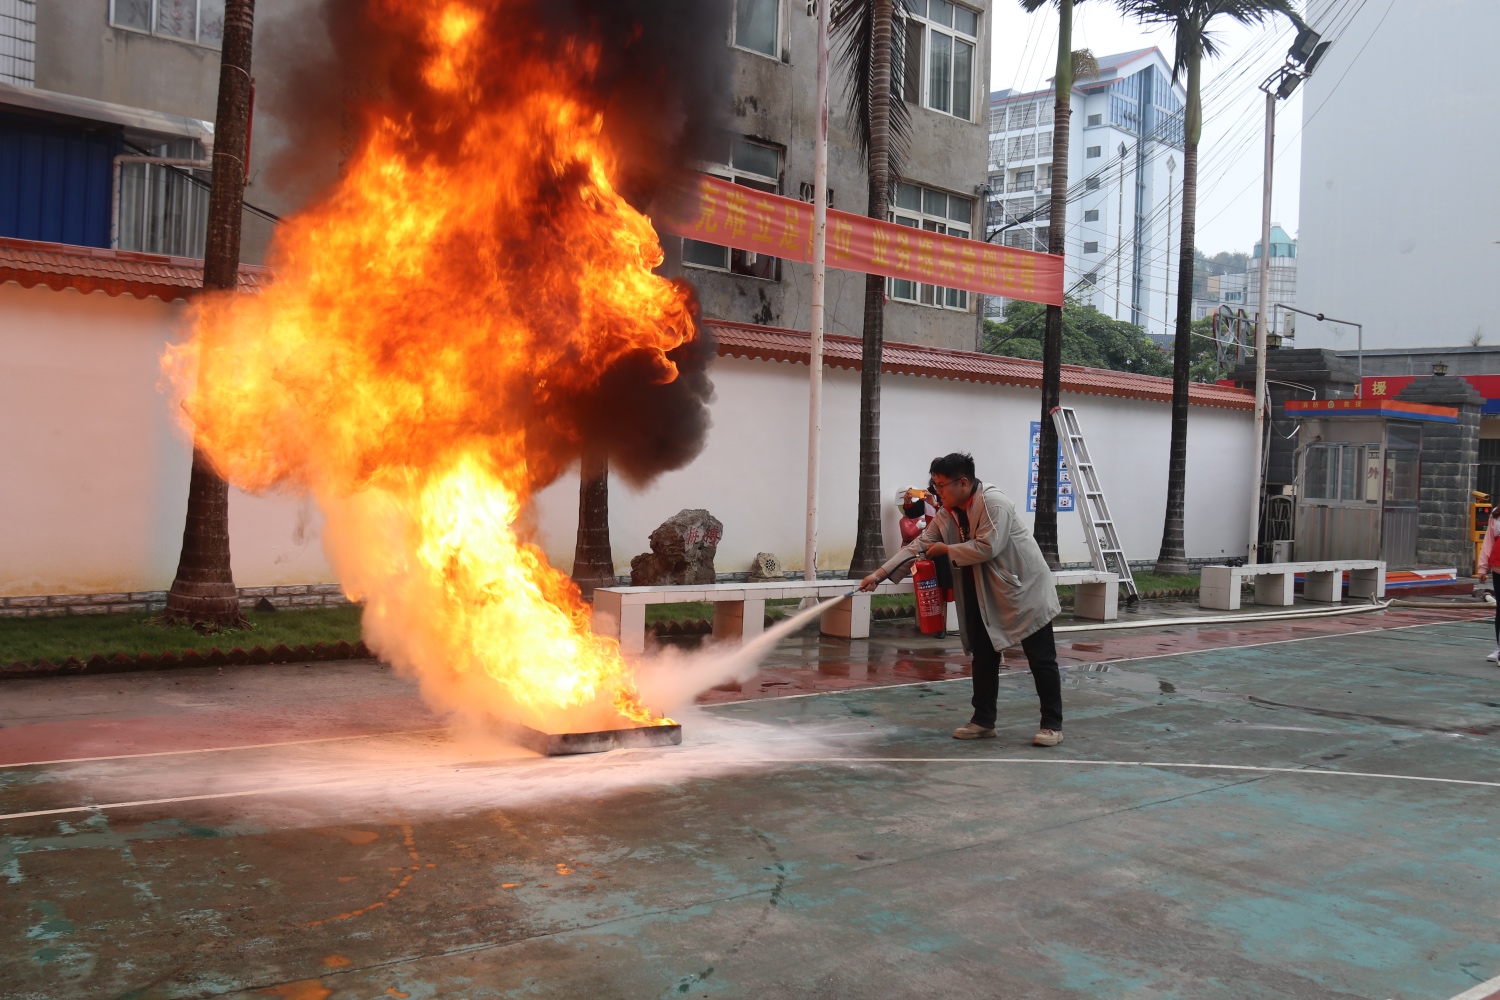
x,y
1045,527
1173,556
869,541
593,562
203,591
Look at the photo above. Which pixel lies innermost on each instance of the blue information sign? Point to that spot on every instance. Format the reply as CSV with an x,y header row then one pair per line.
x,y
1064,481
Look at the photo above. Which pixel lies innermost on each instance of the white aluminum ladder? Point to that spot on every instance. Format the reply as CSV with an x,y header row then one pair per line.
x,y
1088,497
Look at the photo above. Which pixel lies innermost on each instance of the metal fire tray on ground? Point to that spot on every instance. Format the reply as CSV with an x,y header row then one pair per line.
x,y
562,744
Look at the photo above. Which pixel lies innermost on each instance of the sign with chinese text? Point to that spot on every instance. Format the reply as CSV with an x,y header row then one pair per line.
x,y
746,219
1034,464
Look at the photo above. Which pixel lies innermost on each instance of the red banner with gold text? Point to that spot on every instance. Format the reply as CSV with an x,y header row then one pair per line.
x,y
746,219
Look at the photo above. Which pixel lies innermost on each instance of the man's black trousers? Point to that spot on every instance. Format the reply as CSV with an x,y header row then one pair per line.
x,y
1041,653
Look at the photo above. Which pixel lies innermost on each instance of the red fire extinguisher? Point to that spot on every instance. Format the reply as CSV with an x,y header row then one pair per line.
x,y
932,610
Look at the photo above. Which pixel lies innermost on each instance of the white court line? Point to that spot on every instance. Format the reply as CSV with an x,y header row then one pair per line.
x,y
1484,991
633,756
245,746
156,802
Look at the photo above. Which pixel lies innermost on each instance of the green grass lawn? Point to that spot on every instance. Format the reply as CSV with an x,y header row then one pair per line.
x,y
29,639
81,636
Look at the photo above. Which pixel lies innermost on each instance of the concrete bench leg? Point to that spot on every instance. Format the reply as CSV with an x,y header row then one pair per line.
x,y
1097,601
1325,588
626,622
1366,583
848,619
739,621
1275,589
1219,588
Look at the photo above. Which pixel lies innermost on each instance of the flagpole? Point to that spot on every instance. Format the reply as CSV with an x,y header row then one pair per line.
x,y
815,342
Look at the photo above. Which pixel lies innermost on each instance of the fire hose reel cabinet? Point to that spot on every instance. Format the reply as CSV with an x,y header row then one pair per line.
x,y
932,607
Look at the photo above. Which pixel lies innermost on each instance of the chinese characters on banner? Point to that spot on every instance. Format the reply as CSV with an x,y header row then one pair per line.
x,y
1064,481
735,216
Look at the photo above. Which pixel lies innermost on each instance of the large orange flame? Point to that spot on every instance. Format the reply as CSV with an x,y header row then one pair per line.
x,y
401,368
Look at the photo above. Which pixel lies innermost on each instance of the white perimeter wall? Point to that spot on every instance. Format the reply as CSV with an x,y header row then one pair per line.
x,y
752,475
94,471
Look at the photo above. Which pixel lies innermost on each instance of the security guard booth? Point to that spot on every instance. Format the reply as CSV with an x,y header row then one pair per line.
x,y
1359,464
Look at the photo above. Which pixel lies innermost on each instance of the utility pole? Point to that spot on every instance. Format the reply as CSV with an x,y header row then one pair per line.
x,y
1120,232
1304,54
815,344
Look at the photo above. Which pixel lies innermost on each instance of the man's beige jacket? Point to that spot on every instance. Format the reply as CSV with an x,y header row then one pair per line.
x,y
1015,589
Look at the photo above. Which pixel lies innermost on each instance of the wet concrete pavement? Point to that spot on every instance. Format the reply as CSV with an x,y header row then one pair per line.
x,y
1238,811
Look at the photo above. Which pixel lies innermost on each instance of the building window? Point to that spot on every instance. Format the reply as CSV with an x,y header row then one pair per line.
x,y
757,26
164,209
755,165
1092,246
1094,152
1025,180
1091,215
199,21
1337,471
1092,184
1095,120
936,212
1092,278
18,42
951,33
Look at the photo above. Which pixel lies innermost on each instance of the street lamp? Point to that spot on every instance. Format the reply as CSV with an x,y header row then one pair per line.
x,y
1306,52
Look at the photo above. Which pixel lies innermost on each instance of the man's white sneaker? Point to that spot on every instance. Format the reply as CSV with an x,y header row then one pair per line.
x,y
973,731
1046,738
1494,657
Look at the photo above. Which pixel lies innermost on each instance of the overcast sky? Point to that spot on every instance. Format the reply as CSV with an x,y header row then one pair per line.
x,y
1231,150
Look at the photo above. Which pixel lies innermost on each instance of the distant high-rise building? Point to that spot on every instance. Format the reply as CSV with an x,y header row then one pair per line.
x,y
1283,280
1124,184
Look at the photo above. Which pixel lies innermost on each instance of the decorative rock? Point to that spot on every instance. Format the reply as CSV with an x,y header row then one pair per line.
x,y
682,551
765,568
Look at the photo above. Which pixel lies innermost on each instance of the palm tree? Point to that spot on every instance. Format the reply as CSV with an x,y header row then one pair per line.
x,y
1045,527
593,561
203,591
1069,65
872,53
1191,21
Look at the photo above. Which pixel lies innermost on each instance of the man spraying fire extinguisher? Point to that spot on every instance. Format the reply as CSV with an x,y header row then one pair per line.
x,y
1003,587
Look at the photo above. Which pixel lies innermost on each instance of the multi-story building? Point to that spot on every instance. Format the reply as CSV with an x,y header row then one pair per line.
x,y
1221,290
773,45
93,94
1415,272
1282,272
1124,148
94,88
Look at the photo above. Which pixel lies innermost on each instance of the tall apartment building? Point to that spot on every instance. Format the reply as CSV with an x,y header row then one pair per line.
x,y
772,46
1124,191
1416,272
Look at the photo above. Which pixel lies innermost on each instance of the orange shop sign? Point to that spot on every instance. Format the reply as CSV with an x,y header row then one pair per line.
x,y
746,219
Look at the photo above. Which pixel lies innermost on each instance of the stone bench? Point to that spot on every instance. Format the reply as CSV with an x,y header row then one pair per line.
x,y
740,608
1097,594
1220,586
